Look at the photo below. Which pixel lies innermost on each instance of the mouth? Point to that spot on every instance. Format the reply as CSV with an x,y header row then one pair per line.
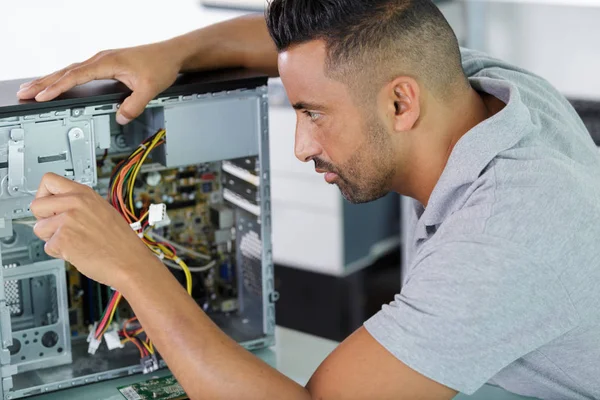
x,y
330,177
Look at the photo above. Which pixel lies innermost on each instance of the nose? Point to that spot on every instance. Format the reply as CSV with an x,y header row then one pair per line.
x,y
306,147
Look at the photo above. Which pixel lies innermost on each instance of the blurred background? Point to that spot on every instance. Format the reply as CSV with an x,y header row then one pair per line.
x,y
336,263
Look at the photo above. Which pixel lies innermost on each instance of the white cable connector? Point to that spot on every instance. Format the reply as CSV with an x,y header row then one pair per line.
x,y
113,341
93,342
157,215
149,364
137,228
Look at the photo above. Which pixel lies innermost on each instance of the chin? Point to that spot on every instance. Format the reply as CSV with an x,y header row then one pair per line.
x,y
357,197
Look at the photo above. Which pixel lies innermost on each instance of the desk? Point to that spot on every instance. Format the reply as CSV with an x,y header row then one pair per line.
x,y
296,355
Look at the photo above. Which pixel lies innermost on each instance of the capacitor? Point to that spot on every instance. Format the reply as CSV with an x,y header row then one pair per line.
x,y
153,178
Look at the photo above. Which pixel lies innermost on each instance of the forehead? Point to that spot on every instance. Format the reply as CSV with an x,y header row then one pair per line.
x,y
302,69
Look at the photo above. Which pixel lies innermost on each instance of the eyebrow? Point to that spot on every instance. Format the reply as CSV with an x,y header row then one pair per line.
x,y
308,106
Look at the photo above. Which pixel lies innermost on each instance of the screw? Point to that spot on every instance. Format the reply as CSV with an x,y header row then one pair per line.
x,y
76,133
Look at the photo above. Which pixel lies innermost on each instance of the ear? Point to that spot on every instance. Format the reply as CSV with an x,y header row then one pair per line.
x,y
402,96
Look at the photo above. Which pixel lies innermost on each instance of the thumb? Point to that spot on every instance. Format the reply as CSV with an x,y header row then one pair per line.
x,y
134,105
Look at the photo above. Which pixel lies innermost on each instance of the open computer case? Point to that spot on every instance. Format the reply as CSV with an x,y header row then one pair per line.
x,y
210,171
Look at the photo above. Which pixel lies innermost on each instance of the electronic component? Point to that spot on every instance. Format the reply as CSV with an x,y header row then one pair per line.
x,y
166,388
222,236
221,216
149,364
157,215
112,339
165,172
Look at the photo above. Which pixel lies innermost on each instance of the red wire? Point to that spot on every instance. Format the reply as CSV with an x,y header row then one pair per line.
x,y
142,350
169,247
107,314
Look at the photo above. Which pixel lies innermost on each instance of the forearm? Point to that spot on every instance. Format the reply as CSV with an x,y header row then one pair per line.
x,y
206,362
239,42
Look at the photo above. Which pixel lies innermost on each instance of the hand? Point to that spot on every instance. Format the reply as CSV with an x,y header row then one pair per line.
x,y
146,70
82,228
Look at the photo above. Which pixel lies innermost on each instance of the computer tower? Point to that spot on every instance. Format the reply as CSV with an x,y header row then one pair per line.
x,y
210,170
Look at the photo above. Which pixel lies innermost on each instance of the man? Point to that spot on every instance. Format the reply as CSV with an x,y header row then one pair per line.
x,y
502,284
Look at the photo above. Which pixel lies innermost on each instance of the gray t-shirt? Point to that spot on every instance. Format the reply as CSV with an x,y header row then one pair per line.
x,y
503,284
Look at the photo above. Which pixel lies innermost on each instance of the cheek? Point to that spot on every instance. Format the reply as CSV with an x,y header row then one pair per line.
x,y
341,143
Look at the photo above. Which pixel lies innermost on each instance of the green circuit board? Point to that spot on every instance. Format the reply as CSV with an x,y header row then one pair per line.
x,y
166,388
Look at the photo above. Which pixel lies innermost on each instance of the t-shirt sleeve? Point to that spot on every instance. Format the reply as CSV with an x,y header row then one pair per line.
x,y
469,309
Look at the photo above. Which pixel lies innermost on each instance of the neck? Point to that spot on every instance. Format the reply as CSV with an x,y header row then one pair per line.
x,y
441,127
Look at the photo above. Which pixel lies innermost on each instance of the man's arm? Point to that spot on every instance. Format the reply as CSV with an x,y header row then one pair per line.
x,y
211,365
73,219
240,42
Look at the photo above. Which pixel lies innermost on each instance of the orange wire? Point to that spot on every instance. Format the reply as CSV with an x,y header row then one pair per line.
x,y
119,188
130,338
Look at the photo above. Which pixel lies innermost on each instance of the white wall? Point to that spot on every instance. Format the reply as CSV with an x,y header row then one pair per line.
x,y
557,41
40,36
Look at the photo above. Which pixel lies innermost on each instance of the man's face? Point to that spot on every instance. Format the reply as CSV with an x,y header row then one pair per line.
x,y
348,142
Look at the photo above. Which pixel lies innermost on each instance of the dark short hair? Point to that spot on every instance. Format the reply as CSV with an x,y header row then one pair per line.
x,y
412,35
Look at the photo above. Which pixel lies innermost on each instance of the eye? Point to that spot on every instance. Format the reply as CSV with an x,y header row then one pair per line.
x,y
312,115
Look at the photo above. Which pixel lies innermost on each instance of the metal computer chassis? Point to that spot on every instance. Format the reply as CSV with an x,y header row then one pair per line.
x,y
208,118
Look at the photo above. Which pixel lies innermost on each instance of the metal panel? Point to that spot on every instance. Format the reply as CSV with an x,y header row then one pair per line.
x,y
212,130
31,148
270,296
42,338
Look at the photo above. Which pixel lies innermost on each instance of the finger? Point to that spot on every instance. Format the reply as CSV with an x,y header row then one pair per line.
x,y
47,207
30,89
134,105
52,248
45,228
52,184
74,77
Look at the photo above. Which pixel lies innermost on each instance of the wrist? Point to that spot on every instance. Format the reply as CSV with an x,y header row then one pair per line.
x,y
178,50
184,50
136,271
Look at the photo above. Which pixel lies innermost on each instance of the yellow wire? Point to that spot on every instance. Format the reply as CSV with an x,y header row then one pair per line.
x,y
138,165
132,155
147,347
168,254
145,215
186,271
112,314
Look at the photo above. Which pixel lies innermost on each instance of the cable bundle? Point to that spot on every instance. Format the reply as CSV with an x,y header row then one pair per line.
x,y
121,197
